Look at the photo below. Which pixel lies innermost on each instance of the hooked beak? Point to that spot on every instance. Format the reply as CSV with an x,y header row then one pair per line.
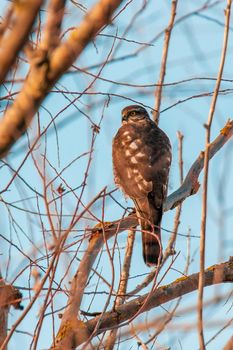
x,y
124,119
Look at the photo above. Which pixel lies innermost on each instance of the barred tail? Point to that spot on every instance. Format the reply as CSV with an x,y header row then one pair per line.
x,y
151,245
150,220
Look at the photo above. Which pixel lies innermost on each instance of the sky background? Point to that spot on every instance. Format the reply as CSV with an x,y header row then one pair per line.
x,y
194,52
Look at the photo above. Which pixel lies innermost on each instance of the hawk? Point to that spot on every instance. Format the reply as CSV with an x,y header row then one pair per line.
x,y
141,155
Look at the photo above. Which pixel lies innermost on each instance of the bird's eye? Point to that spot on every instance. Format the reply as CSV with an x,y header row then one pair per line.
x,y
132,114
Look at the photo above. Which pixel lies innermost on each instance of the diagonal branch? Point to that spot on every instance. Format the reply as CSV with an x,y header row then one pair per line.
x,y
22,17
216,274
52,30
190,185
46,70
229,344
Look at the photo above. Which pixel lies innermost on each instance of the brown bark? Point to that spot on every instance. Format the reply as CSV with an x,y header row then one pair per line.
x,y
20,22
216,274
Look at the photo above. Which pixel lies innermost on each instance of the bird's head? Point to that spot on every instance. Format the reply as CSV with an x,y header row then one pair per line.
x,y
134,114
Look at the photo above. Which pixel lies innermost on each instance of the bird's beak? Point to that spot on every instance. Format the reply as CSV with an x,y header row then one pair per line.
x,y
124,119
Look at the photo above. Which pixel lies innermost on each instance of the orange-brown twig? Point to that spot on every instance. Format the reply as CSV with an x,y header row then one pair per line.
x,y
205,182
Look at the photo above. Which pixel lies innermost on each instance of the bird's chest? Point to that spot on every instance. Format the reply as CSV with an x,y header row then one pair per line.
x,y
131,146
130,159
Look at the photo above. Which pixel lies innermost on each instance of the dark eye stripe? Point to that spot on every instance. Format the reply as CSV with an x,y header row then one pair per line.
x,y
137,116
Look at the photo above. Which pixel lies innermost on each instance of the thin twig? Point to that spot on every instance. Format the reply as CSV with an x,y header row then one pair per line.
x,y
170,247
122,286
3,315
205,182
158,92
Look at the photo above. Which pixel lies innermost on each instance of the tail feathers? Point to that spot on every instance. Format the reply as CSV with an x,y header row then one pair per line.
x,y
151,246
150,220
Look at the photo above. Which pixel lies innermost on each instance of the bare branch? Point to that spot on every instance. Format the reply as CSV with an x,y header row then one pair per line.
x,y
45,71
221,273
4,309
170,247
52,30
23,15
158,92
190,185
122,285
229,344
206,173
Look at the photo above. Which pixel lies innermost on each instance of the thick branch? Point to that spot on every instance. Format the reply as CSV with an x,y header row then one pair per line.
x,y
215,274
229,344
20,24
46,70
52,31
65,339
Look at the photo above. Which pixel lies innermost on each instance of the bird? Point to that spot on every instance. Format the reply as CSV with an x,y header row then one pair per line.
x,y
141,155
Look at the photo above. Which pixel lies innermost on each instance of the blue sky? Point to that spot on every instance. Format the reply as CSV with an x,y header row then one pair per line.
x,y
194,51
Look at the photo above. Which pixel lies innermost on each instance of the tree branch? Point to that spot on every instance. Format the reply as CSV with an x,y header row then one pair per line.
x,y
22,17
52,30
190,185
206,177
216,274
158,92
122,289
46,70
229,344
